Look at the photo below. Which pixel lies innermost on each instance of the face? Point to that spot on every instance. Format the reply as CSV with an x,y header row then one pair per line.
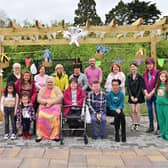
x,y
149,67
50,83
76,71
10,89
163,77
115,69
26,77
73,85
16,70
59,70
133,68
115,86
42,70
96,87
25,99
92,62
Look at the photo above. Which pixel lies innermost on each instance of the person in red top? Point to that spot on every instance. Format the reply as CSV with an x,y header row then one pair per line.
x,y
74,96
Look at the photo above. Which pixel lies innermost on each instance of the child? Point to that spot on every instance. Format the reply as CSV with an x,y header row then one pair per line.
x,y
115,105
9,103
161,92
25,114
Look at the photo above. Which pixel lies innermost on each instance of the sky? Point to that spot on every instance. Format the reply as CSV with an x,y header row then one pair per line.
x,y
47,10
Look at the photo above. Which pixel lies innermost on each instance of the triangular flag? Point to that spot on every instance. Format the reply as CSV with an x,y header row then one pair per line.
x,y
27,62
98,63
117,61
138,61
161,62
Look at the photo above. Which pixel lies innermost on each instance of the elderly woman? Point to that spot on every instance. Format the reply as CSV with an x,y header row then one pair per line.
x,y
26,85
116,73
73,96
16,73
40,79
48,124
60,78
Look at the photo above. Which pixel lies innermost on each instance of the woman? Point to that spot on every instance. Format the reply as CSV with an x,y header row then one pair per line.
x,y
150,79
74,96
26,85
48,124
60,78
116,73
40,79
135,86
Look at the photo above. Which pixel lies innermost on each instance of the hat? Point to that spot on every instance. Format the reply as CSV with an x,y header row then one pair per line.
x,y
58,66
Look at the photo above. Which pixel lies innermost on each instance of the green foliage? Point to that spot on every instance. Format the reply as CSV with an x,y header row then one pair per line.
x,y
127,13
86,10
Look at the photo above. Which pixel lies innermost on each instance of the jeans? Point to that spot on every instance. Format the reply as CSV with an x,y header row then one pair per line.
x,y
9,111
26,124
95,123
150,104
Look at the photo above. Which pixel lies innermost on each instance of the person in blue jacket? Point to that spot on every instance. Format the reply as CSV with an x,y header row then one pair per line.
x,y
115,105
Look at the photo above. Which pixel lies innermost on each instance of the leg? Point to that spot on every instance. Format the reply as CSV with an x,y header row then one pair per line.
x,y
123,126
117,126
102,126
6,120
13,120
94,126
137,107
133,108
150,115
154,102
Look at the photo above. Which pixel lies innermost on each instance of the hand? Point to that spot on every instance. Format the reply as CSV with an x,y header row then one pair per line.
x,y
118,111
132,98
98,116
135,99
3,113
15,113
74,104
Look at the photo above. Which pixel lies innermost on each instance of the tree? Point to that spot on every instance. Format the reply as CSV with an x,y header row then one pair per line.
x,y
127,13
3,19
86,10
119,12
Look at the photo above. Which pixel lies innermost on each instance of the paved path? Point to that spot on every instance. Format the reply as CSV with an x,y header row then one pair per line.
x,y
140,151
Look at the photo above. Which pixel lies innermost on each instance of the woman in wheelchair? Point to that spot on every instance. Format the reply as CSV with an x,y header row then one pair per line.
x,y
73,101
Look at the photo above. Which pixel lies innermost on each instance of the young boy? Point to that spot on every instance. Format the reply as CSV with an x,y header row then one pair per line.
x,y
115,105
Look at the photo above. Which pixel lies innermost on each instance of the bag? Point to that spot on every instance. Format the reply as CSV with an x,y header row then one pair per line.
x,y
85,111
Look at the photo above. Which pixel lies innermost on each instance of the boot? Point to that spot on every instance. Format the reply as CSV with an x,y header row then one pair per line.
x,y
150,129
117,137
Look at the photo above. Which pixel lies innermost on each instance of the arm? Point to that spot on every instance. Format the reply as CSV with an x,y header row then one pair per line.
x,y
37,82
109,104
66,82
34,94
67,99
40,98
85,82
103,105
2,105
121,105
16,104
89,103
128,86
100,75
81,98
123,78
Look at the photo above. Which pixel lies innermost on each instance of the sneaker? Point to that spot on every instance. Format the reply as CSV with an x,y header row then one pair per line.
x,y
137,127
6,136
13,137
132,127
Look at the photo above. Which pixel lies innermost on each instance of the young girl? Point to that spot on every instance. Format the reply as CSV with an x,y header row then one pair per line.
x,y
161,92
9,103
25,114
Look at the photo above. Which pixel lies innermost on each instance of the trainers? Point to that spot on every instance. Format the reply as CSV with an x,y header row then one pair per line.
x,y
132,127
6,136
13,137
137,127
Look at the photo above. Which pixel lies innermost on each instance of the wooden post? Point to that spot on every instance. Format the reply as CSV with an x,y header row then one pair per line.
x,y
1,117
153,48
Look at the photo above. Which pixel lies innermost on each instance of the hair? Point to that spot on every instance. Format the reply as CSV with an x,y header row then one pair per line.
x,y
159,81
96,82
14,89
73,80
16,65
150,60
77,65
31,78
41,67
117,66
116,80
24,95
49,78
134,63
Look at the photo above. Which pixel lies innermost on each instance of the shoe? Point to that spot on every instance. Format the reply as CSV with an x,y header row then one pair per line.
x,y
6,136
157,132
123,138
27,135
56,139
38,139
132,127
112,123
137,127
24,136
13,137
117,137
150,129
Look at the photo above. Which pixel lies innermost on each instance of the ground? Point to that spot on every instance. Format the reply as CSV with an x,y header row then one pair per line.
x,y
141,150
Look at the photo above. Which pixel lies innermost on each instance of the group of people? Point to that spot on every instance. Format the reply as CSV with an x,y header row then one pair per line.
x,y
26,100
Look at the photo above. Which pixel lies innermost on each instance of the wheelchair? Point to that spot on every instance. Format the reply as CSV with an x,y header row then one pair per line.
x,y
74,121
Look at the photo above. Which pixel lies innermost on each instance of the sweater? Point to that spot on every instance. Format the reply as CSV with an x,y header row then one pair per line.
x,y
115,100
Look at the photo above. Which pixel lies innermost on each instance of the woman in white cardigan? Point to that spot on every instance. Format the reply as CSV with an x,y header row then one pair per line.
x,y
115,73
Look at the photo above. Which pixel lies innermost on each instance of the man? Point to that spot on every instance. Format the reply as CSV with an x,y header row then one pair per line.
x,y
115,105
60,78
93,73
96,102
81,78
